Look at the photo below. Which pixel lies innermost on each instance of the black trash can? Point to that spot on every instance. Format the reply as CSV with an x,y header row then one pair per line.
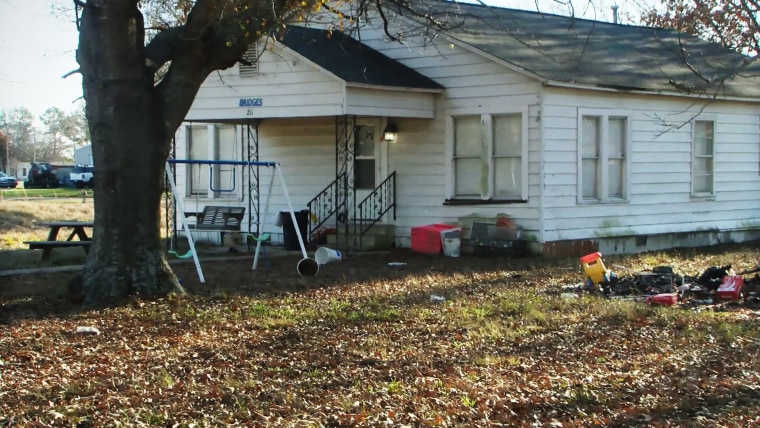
x,y
289,236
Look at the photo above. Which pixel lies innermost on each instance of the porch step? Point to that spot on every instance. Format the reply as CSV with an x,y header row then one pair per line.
x,y
379,237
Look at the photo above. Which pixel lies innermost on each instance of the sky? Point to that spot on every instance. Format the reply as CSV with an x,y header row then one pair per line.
x,y
38,46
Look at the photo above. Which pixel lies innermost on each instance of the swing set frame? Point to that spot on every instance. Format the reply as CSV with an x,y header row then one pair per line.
x,y
180,207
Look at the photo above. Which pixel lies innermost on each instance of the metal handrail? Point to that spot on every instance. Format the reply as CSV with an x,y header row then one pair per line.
x,y
372,208
328,202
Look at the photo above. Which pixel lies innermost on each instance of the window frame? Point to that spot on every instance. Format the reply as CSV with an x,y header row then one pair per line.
x,y
713,120
213,153
603,157
374,157
486,157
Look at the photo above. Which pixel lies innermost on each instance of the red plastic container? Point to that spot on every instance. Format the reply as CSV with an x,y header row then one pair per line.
x,y
427,239
666,299
731,287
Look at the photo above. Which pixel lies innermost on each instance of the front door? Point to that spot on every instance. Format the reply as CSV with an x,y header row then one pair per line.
x,y
369,165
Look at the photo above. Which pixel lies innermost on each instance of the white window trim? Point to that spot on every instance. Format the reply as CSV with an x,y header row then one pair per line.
x,y
714,120
486,133
604,115
213,141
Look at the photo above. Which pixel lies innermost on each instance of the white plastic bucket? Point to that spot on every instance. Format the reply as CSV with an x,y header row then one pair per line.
x,y
325,255
307,267
452,247
451,241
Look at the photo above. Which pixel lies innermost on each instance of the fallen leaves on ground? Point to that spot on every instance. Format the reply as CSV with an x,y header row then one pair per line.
x,y
362,344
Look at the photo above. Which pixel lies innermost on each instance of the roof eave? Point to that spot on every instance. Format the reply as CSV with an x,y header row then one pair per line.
x,y
395,88
588,87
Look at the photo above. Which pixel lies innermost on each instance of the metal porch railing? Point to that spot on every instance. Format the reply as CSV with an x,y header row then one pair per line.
x,y
328,203
378,203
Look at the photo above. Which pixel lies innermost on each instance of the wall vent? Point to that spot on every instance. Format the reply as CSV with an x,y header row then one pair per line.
x,y
252,56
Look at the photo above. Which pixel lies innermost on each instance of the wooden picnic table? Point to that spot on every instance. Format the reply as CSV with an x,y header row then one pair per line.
x,y
78,229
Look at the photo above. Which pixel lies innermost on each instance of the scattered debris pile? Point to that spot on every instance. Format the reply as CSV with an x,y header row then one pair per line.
x,y
662,285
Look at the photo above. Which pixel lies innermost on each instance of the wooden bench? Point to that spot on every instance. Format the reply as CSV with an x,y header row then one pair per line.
x,y
218,218
47,246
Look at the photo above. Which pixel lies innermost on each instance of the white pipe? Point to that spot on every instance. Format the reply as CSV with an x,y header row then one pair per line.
x,y
262,222
183,220
292,214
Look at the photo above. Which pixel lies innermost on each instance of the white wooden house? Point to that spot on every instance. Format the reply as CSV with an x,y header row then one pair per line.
x,y
588,135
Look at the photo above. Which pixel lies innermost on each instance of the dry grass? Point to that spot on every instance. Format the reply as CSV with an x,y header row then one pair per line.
x,y
20,219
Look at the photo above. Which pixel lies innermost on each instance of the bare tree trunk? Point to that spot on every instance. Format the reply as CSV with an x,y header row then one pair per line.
x,y
130,145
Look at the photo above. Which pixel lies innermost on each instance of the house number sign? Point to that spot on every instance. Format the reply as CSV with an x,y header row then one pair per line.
x,y
250,102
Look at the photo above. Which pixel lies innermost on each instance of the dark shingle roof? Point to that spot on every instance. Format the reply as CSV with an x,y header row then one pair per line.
x,y
578,51
352,61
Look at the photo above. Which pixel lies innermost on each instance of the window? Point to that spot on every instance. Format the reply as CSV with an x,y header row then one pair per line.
x,y
507,159
364,157
467,153
221,146
488,161
198,150
703,151
603,152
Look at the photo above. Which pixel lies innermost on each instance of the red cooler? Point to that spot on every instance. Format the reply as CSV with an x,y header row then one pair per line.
x,y
427,239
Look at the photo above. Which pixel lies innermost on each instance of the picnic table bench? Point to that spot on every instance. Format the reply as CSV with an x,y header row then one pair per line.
x,y
77,229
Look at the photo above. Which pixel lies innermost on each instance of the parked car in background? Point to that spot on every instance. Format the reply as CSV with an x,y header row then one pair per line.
x,y
81,176
7,181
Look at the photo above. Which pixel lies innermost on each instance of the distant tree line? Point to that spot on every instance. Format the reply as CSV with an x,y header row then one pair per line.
x,y
21,140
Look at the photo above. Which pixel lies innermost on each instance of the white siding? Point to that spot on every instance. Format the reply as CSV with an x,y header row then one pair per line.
x,y
385,102
659,180
474,85
660,177
290,86
305,149
287,85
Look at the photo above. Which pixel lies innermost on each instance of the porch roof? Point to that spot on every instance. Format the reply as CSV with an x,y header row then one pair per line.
x,y
352,61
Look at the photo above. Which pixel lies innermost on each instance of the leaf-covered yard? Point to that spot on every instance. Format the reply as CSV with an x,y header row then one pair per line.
x,y
362,344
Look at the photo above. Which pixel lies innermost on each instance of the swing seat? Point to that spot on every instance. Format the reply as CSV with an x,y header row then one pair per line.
x,y
187,255
218,218
263,238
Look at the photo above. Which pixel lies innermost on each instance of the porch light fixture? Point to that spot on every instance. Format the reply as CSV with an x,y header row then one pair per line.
x,y
390,133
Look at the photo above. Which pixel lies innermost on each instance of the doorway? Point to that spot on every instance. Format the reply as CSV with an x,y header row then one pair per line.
x,y
369,166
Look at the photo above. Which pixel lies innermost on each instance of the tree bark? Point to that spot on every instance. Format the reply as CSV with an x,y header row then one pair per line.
x,y
132,120
130,145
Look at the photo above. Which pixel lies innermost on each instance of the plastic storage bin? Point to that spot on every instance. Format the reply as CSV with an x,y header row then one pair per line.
x,y
427,239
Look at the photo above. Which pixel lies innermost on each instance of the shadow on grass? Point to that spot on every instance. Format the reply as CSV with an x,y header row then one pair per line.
x,y
41,295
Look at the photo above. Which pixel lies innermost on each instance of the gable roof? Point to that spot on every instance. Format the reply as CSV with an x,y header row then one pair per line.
x,y
561,49
352,61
